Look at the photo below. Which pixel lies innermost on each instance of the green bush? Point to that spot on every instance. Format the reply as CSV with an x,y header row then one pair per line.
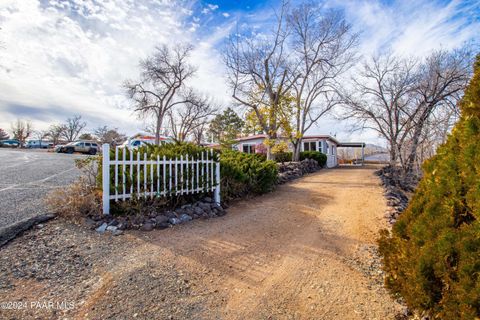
x,y
240,173
243,173
315,155
432,255
283,157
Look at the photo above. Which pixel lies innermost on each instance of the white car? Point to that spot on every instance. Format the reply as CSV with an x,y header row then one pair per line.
x,y
137,142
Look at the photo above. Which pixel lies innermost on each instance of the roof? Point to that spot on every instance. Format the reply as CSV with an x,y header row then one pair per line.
x,y
259,136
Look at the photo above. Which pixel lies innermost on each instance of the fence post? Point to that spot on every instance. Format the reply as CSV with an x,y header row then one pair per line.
x,y
106,178
217,188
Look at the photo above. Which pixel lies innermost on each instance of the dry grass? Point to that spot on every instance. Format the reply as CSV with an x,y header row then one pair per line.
x,y
80,199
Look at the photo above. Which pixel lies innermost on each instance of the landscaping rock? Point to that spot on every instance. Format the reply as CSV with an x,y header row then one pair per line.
x,y
102,228
163,225
147,227
112,228
161,219
185,218
174,221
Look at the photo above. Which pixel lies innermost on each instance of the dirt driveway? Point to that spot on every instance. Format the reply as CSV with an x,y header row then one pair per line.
x,y
305,251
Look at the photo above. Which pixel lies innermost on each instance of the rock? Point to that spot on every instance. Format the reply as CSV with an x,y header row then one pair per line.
x,y
147,227
174,221
111,228
92,224
161,219
199,211
207,199
185,218
170,214
102,228
114,222
117,232
204,206
163,225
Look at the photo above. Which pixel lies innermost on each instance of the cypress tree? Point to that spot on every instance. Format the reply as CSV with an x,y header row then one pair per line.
x,y
432,255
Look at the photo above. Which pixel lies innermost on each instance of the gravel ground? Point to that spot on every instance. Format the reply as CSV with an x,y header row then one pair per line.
x,y
26,176
305,251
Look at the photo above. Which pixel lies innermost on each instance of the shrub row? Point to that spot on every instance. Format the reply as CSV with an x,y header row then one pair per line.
x,y
321,158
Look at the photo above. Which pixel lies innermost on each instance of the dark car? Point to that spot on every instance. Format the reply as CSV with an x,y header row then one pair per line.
x,y
12,143
89,147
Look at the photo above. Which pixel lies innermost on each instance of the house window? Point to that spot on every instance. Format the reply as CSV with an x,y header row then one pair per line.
x,y
310,146
248,148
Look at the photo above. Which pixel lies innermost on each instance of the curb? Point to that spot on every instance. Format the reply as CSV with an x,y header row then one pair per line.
x,y
9,233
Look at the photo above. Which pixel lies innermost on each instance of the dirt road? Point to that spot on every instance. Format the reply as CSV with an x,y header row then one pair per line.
x,y
305,251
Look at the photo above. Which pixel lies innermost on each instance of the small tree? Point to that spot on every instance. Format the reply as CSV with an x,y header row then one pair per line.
x,y
72,128
3,134
55,132
110,135
226,127
21,130
86,136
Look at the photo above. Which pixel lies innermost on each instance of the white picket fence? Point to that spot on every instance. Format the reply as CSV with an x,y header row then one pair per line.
x,y
159,177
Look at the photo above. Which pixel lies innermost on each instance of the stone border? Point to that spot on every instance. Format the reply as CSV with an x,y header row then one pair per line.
x,y
12,231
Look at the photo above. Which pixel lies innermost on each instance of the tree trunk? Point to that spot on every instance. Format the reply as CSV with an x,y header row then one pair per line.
x,y
158,128
296,150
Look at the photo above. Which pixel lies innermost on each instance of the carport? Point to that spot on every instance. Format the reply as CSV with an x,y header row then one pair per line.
x,y
360,160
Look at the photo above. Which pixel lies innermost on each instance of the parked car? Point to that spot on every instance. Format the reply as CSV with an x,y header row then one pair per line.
x,y
41,144
137,142
12,143
82,146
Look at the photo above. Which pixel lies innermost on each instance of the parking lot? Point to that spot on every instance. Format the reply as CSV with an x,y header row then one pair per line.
x,y
26,176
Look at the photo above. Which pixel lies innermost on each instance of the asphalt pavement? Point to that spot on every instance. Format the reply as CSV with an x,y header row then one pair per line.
x,y
26,177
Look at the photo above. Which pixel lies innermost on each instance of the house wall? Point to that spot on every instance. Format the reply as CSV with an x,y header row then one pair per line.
x,y
323,145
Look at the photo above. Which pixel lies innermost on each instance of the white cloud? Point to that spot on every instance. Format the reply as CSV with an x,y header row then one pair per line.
x,y
226,14
68,58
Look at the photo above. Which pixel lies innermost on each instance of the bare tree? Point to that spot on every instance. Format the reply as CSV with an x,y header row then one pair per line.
x,y
192,116
21,130
259,74
380,94
162,85
55,132
39,136
323,43
110,135
72,128
442,78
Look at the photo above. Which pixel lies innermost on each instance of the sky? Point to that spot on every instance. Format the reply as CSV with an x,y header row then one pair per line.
x,y
60,58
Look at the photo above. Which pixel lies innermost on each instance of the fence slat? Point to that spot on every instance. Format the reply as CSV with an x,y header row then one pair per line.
x,y
198,172
145,174
138,173
208,172
193,174
158,174
131,169
151,177
212,170
181,174
164,176
170,176
124,183
106,178
116,174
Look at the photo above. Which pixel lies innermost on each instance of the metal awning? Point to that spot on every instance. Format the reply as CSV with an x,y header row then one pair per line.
x,y
352,144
